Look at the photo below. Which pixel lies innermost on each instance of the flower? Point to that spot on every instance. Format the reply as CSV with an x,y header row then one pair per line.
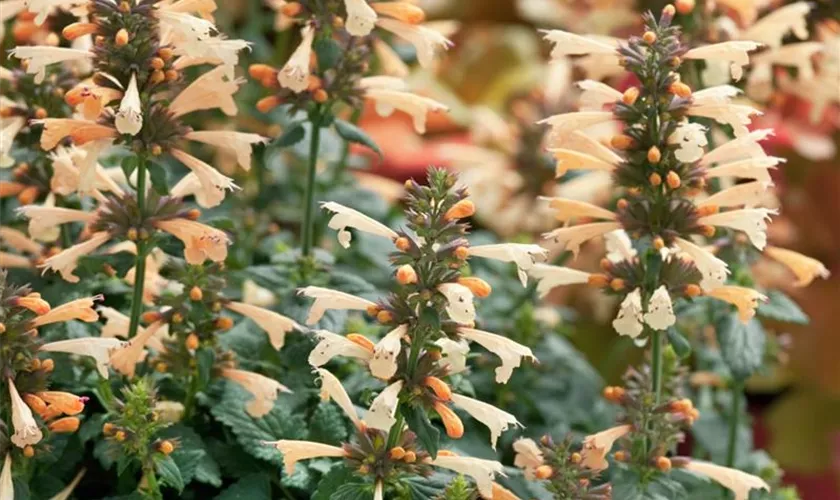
x,y
570,44
460,306
454,354
294,451
773,27
528,456
660,311
65,262
38,57
384,407
26,428
426,40
99,349
549,277
124,359
169,411
805,268
482,471
10,129
387,100
629,319
190,185
81,309
326,299
331,345
736,53
568,159
748,194
347,217
331,388
690,139
19,241
213,183
565,124
746,146
749,168
263,389
274,324
129,118
714,270
739,482
571,238
295,74
510,352
211,90
596,446
719,94
619,246
256,295
56,129
383,365
361,18
523,255
44,220
745,299
239,143
737,116
568,210
201,242
596,95
495,419
752,221
65,493
7,487
64,402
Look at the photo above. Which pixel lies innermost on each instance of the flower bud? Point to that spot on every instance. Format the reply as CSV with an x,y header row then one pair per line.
x,y
48,365
658,243
64,425
196,294
261,72
35,403
692,290
707,231
614,394
543,472
177,317
575,458
654,155
157,77
454,426
362,341
120,436
622,204
166,53
410,457
477,286
266,104
150,317
617,284
439,387
655,179
28,451
649,37
403,11
461,210
224,323
166,447
663,464
630,95
397,453
171,75
622,142
462,253
406,275
598,280
384,316
121,38
192,342
291,9
680,89
108,428
668,10
28,195
707,210
373,310
684,6
621,456
320,96
75,30
402,244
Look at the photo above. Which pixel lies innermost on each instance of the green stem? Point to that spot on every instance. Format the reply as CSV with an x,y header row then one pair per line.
x,y
152,486
309,208
140,259
341,166
189,402
734,422
656,368
417,341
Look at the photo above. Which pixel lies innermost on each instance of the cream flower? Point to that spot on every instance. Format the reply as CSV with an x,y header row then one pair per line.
x,y
347,217
15,239
579,142
741,148
597,446
714,270
482,471
26,428
99,349
565,124
80,309
274,324
56,129
129,118
773,27
66,261
184,27
214,184
295,451
745,299
495,419
660,311
211,90
201,242
690,139
719,94
737,116
460,306
125,358
528,456
805,268
256,295
426,41
525,256
570,44
750,168
169,411
361,18
511,353
619,246
331,388
263,389
239,143
752,221
596,95
66,175
44,220
454,355
568,159
7,487
629,319
549,277
8,132
12,261
383,365
384,407
326,299
387,101
390,62
331,345
572,237
190,185
748,194
377,491
568,210
216,50
739,482
38,57
295,74
117,325
736,53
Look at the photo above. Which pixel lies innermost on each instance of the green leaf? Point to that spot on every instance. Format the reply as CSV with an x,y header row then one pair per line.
x,y
741,345
327,425
293,134
681,345
337,476
351,133
251,487
424,488
169,473
419,423
353,491
158,176
205,357
780,307
128,165
328,52
207,471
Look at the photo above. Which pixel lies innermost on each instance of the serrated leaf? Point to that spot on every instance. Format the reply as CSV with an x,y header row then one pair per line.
x,y
169,473
251,487
328,424
780,307
419,423
353,491
337,476
351,133
741,345
208,472
421,488
293,134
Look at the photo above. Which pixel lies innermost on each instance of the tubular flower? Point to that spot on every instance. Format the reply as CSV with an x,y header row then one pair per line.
x,y
597,446
331,388
510,352
384,407
460,306
255,295
736,53
741,148
566,124
212,90
383,365
263,389
660,312
347,217
331,345
45,220
739,482
690,139
295,74
752,221
714,270
745,299
570,44
66,261
213,184
426,40
748,194
8,130
523,255
630,315
495,419
528,456
482,471
124,359
274,324
129,119
326,299
99,349
34,303
80,309
361,18
239,143
571,238
750,168
387,100
201,242
569,159
39,57
454,355
64,402
7,487
596,95
568,210
773,27
805,268
26,428
295,451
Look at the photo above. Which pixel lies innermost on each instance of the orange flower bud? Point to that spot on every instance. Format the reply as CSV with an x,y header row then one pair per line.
x,y
406,275
673,180
37,404
28,195
402,244
166,447
171,75
598,280
693,290
621,456
397,453
224,323
654,155
454,426
663,464
461,210
320,96
64,425
33,302
120,436
362,341
707,210
48,365
166,53
543,472
622,142
121,38
196,294
384,316
658,243
630,95
192,342
75,30
262,71
28,452
439,387
655,179
707,231
63,402
462,253
680,89
622,203
649,37
617,284
373,310
157,77
85,134
266,104
410,457
668,10
477,286
575,458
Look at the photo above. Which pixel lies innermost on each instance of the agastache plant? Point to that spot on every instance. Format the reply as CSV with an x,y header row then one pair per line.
x,y
653,237
431,321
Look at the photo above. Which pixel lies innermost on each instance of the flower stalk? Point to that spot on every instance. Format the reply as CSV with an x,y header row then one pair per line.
x,y
316,118
140,257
